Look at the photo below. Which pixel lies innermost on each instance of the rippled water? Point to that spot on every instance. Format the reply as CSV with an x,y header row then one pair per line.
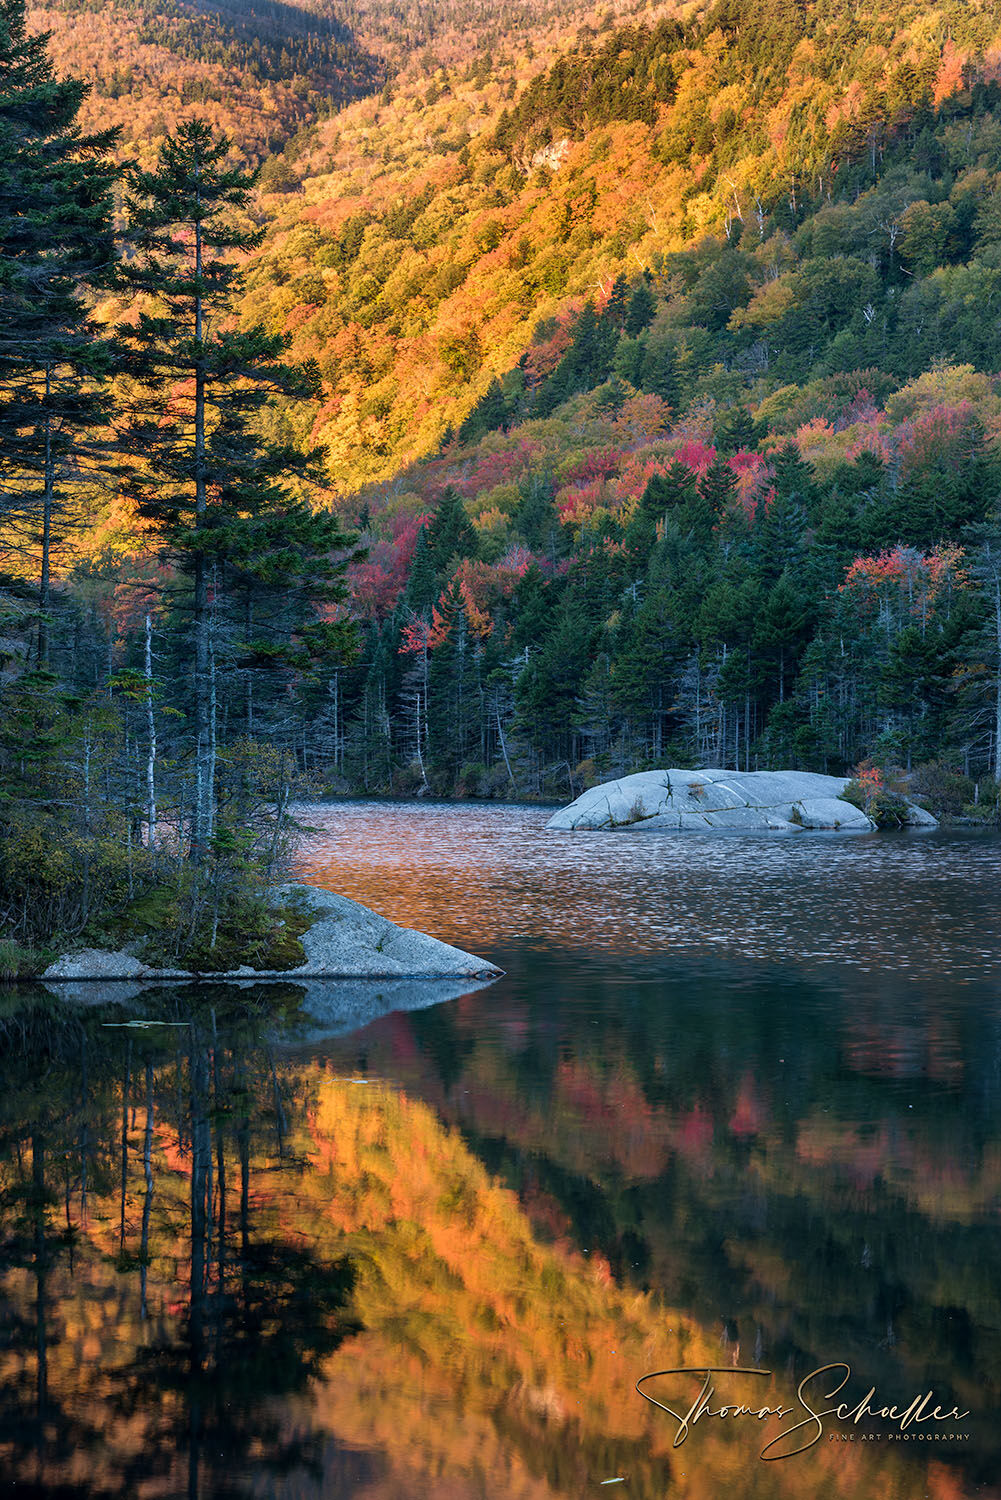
x,y
482,876
736,1102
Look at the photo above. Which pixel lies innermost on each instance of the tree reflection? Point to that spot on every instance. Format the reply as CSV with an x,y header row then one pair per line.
x,y
182,1323
204,1365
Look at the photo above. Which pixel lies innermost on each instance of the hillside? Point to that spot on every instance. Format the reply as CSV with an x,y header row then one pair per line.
x,y
258,69
264,70
436,233
684,334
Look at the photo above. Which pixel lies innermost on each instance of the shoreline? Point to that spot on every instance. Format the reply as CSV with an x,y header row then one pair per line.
x,y
343,941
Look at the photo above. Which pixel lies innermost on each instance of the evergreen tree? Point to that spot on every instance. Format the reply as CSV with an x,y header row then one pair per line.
x,y
451,533
216,491
983,692
547,691
665,494
641,310
736,429
535,517
488,415
56,234
630,355
618,300
659,375
644,668
713,496
422,590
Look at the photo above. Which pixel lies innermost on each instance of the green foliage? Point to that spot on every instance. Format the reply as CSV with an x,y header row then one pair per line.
x,y
942,787
56,203
229,503
17,962
624,79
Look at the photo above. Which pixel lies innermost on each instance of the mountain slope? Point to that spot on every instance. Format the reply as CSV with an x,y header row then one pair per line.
x,y
435,232
258,69
264,69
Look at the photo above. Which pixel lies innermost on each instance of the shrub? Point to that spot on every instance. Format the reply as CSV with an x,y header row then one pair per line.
x,y
17,962
943,787
987,806
880,799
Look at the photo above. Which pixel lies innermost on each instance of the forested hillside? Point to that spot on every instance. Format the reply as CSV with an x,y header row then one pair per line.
x,y
696,326
436,231
259,69
265,71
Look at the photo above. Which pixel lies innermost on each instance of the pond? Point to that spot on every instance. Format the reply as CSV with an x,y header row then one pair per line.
x,y
734,1105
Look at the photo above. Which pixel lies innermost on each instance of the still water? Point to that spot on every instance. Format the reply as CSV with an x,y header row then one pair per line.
x,y
735,1104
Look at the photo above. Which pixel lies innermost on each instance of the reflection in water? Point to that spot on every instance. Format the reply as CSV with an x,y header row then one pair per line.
x,y
156,1308
911,903
434,1256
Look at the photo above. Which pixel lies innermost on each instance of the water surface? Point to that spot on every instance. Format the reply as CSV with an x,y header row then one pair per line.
x,y
734,1103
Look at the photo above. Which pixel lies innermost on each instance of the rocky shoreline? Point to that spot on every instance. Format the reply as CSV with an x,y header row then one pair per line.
x,y
344,941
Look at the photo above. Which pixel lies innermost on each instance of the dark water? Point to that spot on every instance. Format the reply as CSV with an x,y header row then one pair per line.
x,y
735,1103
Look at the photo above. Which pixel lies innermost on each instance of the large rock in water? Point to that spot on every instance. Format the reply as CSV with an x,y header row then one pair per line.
x,y
348,941
345,941
737,800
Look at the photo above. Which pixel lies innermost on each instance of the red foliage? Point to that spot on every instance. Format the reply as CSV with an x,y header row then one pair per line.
x,y
904,576
696,455
752,474
939,437
541,360
420,635
575,504
484,585
483,471
377,583
601,464
636,474
861,408
870,440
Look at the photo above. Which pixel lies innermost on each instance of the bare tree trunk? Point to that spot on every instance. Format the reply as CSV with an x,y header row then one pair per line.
x,y
41,1255
45,585
204,760
500,736
151,738
420,753
997,680
126,1089
210,810
201,1155
220,1158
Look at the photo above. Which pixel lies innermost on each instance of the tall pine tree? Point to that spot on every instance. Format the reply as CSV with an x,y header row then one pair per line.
x,y
56,235
228,505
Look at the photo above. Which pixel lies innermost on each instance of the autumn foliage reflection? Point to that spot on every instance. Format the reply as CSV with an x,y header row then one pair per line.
x,y
221,1264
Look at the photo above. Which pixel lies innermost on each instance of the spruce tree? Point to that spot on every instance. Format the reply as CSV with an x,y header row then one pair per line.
x,y
535,517
665,493
228,505
618,300
641,310
421,592
56,235
659,374
451,534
